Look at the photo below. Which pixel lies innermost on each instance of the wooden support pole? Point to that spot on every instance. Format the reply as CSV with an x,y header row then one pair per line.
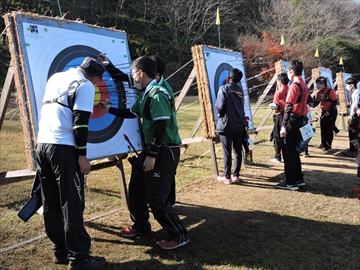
x,y
9,85
263,121
266,91
122,182
196,127
185,89
213,158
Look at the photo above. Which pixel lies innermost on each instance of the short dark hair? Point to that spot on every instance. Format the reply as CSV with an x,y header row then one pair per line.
x,y
146,64
283,78
160,64
297,66
235,75
321,80
351,80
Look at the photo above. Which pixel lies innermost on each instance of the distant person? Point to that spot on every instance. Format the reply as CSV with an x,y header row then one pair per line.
x,y
294,113
357,189
160,80
231,125
153,172
353,119
328,101
62,163
278,105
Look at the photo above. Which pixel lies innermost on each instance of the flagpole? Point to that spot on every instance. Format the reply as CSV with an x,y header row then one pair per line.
x,y
59,8
218,24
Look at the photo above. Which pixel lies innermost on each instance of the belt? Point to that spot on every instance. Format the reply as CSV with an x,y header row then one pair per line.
x,y
279,113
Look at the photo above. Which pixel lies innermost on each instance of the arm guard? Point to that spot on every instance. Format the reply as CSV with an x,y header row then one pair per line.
x,y
287,112
123,113
80,126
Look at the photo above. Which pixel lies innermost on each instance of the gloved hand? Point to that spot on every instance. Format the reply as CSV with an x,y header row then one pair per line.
x,y
274,106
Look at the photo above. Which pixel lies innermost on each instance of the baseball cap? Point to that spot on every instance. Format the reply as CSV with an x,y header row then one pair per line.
x,y
93,66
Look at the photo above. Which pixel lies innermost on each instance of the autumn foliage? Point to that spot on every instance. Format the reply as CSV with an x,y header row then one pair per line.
x,y
260,56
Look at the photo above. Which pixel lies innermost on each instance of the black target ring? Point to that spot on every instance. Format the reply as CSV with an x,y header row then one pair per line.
x,y
62,60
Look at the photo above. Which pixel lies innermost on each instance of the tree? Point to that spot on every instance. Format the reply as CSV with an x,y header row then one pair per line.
x,y
311,24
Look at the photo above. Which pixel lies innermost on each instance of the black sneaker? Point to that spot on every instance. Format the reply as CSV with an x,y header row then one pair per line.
x,y
349,153
92,262
284,185
301,183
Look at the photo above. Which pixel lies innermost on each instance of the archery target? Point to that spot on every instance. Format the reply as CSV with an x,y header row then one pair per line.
x,y
285,69
218,64
52,45
326,73
102,127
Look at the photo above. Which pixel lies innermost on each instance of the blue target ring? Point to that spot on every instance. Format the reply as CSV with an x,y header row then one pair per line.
x,y
103,128
222,72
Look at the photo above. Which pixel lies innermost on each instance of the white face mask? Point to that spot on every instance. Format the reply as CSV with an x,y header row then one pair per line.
x,y
137,85
348,87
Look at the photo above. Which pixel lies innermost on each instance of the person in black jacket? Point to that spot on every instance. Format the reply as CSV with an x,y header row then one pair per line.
x,y
231,124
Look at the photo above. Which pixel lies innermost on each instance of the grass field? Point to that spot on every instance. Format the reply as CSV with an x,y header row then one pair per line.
x,y
247,226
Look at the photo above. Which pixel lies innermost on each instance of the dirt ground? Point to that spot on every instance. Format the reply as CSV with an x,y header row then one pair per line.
x,y
239,226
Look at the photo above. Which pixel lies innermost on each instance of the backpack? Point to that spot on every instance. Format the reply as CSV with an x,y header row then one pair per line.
x,y
71,92
146,112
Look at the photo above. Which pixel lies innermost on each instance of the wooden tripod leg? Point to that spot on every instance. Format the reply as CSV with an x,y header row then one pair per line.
x,y
9,85
122,182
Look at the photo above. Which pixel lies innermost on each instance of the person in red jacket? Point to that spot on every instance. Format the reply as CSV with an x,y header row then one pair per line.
x,y
279,105
328,100
294,113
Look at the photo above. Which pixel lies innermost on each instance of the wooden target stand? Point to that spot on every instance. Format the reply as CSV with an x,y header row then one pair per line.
x,y
278,69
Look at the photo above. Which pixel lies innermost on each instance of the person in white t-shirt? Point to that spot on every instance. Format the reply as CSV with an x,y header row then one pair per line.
x,y
353,119
62,163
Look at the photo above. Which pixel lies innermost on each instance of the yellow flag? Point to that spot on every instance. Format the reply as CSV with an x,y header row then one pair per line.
x,y
282,42
317,53
218,16
341,61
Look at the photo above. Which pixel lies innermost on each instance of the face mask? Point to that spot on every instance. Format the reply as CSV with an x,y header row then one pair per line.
x,y
137,85
318,86
348,87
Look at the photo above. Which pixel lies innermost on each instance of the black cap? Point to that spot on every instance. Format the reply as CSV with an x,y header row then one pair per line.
x,y
93,66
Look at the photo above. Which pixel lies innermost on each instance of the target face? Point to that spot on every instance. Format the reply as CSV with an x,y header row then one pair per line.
x,y
50,47
328,75
102,127
218,65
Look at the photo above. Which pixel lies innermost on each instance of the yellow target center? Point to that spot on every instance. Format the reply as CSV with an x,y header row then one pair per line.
x,y
97,96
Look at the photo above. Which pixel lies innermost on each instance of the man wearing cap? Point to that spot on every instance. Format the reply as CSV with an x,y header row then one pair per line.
x,y
62,163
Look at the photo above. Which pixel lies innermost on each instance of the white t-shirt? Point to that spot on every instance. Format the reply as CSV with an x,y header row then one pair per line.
x,y
56,121
354,102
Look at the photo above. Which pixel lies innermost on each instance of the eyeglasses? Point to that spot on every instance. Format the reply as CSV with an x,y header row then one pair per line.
x,y
134,72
